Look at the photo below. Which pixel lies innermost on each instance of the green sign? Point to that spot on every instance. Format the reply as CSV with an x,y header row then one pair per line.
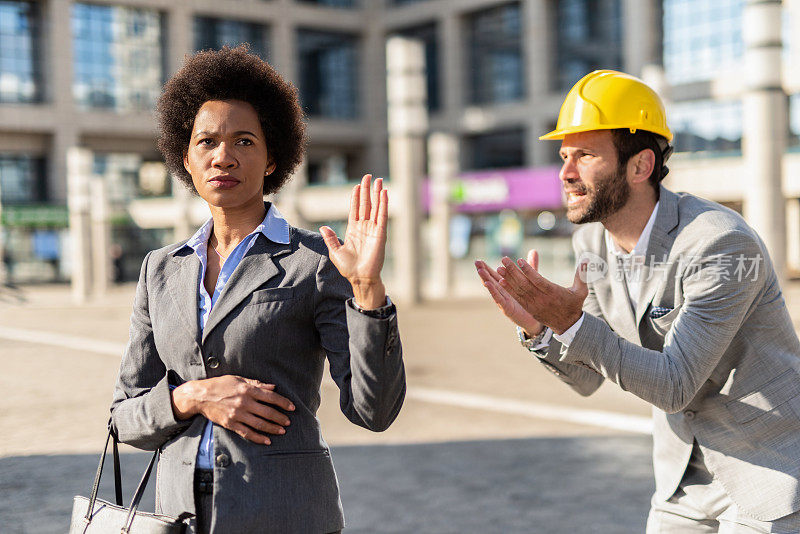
x,y
35,216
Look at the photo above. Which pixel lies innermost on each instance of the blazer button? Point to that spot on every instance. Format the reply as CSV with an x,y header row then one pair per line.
x,y
689,414
223,460
212,362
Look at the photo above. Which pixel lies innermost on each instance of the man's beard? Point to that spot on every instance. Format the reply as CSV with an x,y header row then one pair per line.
x,y
608,197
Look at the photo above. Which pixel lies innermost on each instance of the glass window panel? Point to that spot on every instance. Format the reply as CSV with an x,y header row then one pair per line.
x,y
19,46
210,33
496,67
794,120
328,66
701,38
118,61
706,125
496,150
22,179
589,37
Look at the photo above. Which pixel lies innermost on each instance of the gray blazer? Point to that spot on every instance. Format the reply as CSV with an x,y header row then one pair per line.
x,y
710,345
281,313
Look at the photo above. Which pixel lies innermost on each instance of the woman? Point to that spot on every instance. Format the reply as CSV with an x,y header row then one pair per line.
x,y
230,329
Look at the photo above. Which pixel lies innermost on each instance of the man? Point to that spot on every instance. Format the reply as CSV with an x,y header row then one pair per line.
x,y
675,300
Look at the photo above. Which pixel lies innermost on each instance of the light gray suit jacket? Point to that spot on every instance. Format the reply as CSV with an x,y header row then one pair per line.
x,y
280,314
722,368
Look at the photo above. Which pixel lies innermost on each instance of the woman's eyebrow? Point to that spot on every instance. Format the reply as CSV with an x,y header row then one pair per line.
x,y
240,132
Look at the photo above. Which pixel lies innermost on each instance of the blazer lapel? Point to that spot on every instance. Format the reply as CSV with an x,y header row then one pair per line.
x,y
620,313
182,286
256,268
658,249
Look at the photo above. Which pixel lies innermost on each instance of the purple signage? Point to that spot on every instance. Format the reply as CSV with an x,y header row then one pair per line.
x,y
495,190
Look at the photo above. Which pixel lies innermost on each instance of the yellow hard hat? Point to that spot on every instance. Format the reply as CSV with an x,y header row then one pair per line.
x,y
607,99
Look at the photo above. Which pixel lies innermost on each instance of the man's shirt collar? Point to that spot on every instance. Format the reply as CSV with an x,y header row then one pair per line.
x,y
640,249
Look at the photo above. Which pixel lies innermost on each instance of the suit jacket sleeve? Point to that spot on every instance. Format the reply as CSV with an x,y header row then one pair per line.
x,y
580,378
141,410
716,304
365,354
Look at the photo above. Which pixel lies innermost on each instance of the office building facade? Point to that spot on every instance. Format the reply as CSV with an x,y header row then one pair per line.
x,y
87,74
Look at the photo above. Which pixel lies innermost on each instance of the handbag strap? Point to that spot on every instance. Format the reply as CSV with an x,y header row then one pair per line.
x,y
137,497
96,485
117,470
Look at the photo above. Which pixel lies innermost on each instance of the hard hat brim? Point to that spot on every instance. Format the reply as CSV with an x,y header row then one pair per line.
x,y
557,135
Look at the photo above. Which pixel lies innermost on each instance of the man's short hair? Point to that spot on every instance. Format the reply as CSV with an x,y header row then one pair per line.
x,y
629,144
232,74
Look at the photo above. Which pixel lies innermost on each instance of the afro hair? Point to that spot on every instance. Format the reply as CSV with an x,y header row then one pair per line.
x,y
232,74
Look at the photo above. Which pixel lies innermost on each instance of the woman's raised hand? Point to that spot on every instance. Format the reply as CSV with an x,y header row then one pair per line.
x,y
360,257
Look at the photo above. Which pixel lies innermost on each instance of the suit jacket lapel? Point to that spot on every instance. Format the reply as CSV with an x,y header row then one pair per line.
x,y
620,313
658,248
255,269
182,286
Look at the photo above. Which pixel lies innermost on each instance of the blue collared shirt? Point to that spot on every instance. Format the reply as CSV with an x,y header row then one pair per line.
x,y
275,228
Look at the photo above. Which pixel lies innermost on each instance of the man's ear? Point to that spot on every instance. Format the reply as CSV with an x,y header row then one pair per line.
x,y
186,161
641,165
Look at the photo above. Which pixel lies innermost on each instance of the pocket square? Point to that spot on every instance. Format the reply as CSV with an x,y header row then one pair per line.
x,y
659,311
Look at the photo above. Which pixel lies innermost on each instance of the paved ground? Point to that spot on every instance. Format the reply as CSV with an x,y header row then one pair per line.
x,y
487,441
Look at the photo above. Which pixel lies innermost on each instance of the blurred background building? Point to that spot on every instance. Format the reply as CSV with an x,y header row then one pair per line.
x,y
84,76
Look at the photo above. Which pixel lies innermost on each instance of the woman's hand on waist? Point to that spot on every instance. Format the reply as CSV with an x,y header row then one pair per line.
x,y
242,405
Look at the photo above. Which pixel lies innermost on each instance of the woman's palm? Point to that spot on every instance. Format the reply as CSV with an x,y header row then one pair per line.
x,y
361,256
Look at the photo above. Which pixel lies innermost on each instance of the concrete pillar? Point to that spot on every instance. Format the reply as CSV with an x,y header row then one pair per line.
x,y
100,236
179,36
79,168
642,35
283,55
765,126
373,91
183,211
408,123
442,168
538,50
288,199
451,58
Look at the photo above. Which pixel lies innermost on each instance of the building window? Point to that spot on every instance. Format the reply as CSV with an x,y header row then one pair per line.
x,y
496,67
22,179
794,121
427,34
706,125
701,38
589,38
331,3
118,57
328,69
19,52
216,33
497,150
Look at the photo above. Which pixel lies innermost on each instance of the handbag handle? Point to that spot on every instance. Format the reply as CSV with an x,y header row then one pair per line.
x,y
137,496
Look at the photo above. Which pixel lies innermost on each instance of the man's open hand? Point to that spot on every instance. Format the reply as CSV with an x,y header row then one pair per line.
x,y
550,304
